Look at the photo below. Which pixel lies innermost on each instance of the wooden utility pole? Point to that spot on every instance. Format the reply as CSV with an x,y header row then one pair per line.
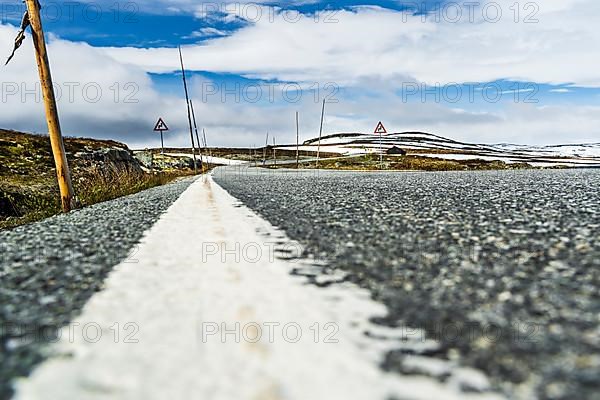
x,y
274,155
67,195
197,137
297,141
320,133
189,114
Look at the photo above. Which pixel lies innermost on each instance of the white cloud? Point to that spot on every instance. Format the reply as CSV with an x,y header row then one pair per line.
x,y
371,51
383,43
206,32
97,96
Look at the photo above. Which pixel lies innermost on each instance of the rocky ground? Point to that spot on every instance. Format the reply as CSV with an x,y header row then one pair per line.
x,y
101,170
501,268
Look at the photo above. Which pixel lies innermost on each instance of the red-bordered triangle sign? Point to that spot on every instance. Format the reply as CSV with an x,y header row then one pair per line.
x,y
161,126
380,128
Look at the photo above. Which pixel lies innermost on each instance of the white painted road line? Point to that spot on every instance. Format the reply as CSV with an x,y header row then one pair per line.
x,y
204,311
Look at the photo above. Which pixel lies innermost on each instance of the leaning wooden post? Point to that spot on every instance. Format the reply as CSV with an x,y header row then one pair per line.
x,y
67,195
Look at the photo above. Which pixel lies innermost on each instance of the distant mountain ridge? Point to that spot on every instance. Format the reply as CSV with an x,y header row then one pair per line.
x,y
431,145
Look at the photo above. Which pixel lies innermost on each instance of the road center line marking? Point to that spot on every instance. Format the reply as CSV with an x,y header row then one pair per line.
x,y
214,321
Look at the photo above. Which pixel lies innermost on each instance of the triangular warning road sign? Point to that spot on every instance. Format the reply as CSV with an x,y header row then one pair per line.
x,y
380,128
161,126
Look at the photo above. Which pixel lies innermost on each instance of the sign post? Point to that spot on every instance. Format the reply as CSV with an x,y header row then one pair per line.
x,y
380,129
161,127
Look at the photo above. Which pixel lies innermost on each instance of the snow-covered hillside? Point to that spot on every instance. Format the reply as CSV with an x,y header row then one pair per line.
x,y
429,145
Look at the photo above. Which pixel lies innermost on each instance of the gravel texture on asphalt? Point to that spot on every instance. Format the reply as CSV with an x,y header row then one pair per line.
x,y
502,267
49,269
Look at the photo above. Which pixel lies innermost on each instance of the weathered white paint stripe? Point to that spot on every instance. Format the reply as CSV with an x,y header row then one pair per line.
x,y
176,298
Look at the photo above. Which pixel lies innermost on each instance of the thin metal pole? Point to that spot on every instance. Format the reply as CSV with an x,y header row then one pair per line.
x,y
197,138
162,143
380,152
265,150
187,102
206,143
297,141
274,155
320,133
67,194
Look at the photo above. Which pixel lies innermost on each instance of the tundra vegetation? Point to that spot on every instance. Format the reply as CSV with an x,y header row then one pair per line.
x,y
101,170
409,162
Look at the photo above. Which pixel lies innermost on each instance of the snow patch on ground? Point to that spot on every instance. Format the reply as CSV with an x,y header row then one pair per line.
x,y
583,155
210,159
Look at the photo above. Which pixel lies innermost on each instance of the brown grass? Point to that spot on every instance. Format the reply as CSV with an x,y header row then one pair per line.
x,y
28,188
98,185
26,205
371,162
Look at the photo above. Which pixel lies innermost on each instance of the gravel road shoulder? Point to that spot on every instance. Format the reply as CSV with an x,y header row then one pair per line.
x,y
49,269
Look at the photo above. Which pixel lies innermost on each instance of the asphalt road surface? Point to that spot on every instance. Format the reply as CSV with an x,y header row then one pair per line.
x,y
490,271
502,268
50,269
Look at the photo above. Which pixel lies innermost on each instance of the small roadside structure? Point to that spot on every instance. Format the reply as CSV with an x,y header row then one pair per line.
x,y
395,150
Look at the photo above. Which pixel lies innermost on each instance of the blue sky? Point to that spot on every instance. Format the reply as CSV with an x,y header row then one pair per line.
x,y
128,23
424,55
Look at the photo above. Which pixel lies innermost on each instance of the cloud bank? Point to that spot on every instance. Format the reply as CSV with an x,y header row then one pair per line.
x,y
368,52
